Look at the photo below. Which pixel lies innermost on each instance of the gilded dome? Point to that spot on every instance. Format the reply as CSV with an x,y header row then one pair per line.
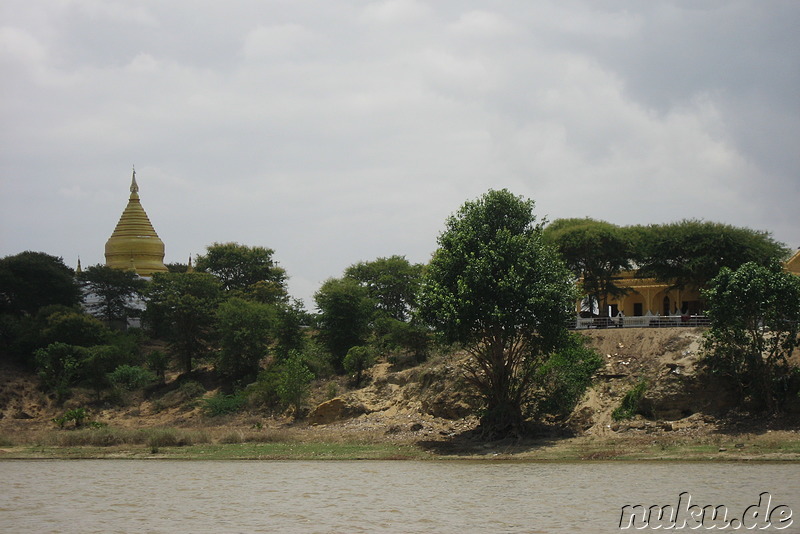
x,y
135,243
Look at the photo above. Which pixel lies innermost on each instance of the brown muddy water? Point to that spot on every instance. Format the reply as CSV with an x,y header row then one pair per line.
x,y
129,496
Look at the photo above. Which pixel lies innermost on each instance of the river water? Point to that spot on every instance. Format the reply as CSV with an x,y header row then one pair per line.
x,y
130,496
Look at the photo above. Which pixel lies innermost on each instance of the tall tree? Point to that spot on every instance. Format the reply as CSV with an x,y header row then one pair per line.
x,y
755,327
245,333
182,306
495,287
393,283
32,280
596,252
345,311
113,292
689,253
241,268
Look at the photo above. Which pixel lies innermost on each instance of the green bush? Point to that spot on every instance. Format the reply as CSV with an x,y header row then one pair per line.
x,y
357,360
158,362
130,377
630,402
222,404
294,382
264,391
76,415
564,377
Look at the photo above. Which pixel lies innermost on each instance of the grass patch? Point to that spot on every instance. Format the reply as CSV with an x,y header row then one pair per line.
x,y
630,402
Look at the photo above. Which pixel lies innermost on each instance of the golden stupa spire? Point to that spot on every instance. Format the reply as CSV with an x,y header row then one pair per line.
x,y
135,243
134,185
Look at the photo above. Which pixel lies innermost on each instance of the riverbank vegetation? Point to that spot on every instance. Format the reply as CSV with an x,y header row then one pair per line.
x,y
468,350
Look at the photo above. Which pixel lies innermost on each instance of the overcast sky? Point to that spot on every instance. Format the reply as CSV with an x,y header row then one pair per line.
x,y
336,131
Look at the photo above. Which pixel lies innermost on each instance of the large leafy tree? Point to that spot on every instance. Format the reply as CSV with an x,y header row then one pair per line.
x,y
32,280
596,252
245,334
495,287
113,292
244,269
755,327
182,307
689,253
345,312
393,283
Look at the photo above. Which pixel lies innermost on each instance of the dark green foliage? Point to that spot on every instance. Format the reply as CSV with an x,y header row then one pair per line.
x,y
245,334
629,406
58,366
182,308
97,362
240,268
344,319
358,360
290,320
690,253
595,252
392,283
411,337
495,287
74,328
222,404
76,415
158,362
264,391
114,290
32,280
294,383
565,376
131,377
755,326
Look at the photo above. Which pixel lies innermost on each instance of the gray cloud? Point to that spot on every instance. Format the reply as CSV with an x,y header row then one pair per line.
x,y
336,132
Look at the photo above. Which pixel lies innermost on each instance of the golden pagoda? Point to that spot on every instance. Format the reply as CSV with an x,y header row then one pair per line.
x,y
135,244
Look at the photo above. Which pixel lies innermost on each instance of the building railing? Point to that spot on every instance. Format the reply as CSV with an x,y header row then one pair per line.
x,y
644,321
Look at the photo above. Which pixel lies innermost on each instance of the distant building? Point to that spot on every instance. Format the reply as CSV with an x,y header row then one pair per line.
x,y
649,297
135,245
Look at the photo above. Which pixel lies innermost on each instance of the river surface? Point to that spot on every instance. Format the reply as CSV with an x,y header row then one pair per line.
x,y
161,496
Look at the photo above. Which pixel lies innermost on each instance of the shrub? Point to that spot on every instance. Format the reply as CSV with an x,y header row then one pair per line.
x,y
357,360
130,377
630,402
294,382
264,391
564,377
222,404
76,415
158,362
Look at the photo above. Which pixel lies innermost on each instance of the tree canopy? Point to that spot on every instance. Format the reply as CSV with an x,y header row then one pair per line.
x,y
243,268
32,280
755,327
182,307
495,287
596,252
345,314
393,283
114,291
690,253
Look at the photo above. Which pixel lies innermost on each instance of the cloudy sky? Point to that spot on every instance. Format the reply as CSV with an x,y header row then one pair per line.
x,y
335,131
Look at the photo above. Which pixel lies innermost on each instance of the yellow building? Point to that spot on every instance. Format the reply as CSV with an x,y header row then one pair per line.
x,y
135,244
647,297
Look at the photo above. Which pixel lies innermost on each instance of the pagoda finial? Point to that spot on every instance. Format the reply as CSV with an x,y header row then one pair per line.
x,y
134,185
